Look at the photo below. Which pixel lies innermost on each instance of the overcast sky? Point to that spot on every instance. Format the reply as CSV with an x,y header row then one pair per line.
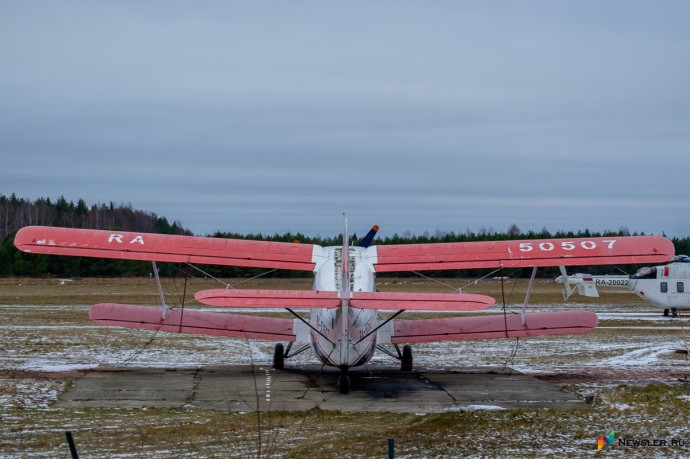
x,y
279,116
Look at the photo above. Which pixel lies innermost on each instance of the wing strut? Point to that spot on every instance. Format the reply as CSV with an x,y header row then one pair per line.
x,y
380,325
309,325
529,292
298,351
164,314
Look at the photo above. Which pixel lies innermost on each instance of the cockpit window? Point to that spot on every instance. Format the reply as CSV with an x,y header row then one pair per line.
x,y
648,272
680,259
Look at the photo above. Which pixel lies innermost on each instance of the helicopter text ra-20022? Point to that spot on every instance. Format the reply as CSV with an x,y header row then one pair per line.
x,y
666,286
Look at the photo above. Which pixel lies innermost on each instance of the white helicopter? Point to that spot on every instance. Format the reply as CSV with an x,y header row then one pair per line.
x,y
663,285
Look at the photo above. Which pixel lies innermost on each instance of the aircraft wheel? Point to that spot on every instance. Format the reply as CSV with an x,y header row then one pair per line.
x,y
406,361
279,357
666,312
344,384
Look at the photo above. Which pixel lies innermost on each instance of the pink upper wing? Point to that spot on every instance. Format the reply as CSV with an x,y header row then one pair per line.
x,y
524,253
163,247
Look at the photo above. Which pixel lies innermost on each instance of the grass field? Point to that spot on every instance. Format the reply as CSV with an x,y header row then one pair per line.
x,y
635,383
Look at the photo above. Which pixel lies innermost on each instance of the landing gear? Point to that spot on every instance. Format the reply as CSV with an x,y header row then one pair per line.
x,y
406,359
666,312
279,357
344,382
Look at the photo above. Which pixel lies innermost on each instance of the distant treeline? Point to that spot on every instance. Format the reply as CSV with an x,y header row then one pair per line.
x,y
17,212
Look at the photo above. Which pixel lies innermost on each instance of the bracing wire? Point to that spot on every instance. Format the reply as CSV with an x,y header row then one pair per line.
x,y
513,352
226,284
209,275
452,287
257,276
512,355
138,351
435,280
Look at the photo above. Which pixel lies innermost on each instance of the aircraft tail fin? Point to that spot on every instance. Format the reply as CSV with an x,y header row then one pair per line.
x,y
584,282
588,289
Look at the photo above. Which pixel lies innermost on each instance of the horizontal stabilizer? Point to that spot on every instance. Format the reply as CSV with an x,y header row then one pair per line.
x,y
523,254
164,247
493,326
588,290
421,301
363,300
193,321
241,298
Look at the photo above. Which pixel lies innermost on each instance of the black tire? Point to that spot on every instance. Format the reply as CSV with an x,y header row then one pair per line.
x,y
279,357
406,361
666,312
344,384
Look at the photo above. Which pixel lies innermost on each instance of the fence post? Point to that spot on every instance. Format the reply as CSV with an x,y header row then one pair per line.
x,y
391,448
72,448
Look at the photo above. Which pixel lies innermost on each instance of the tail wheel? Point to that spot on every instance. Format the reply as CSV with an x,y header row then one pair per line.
x,y
279,357
344,384
406,361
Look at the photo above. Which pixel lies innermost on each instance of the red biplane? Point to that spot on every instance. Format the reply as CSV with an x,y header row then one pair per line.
x,y
343,327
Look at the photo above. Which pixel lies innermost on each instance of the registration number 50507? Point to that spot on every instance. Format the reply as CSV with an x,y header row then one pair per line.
x,y
548,246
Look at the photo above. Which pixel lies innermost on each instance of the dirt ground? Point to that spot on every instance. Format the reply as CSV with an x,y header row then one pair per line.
x,y
629,371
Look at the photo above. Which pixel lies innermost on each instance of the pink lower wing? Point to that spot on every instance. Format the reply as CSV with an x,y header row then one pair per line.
x,y
493,326
192,321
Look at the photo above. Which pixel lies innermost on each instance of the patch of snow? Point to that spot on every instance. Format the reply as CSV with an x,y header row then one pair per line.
x,y
483,408
623,406
643,356
57,368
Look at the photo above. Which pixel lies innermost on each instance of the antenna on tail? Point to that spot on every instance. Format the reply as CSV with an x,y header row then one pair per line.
x,y
346,261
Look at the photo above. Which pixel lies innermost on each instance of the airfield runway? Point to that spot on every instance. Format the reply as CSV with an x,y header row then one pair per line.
x,y
243,388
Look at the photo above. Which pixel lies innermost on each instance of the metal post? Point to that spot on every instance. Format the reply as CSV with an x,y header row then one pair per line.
x,y
72,448
391,448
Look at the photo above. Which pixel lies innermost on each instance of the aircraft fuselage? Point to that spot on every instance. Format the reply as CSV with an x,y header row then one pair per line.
x,y
343,337
666,286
